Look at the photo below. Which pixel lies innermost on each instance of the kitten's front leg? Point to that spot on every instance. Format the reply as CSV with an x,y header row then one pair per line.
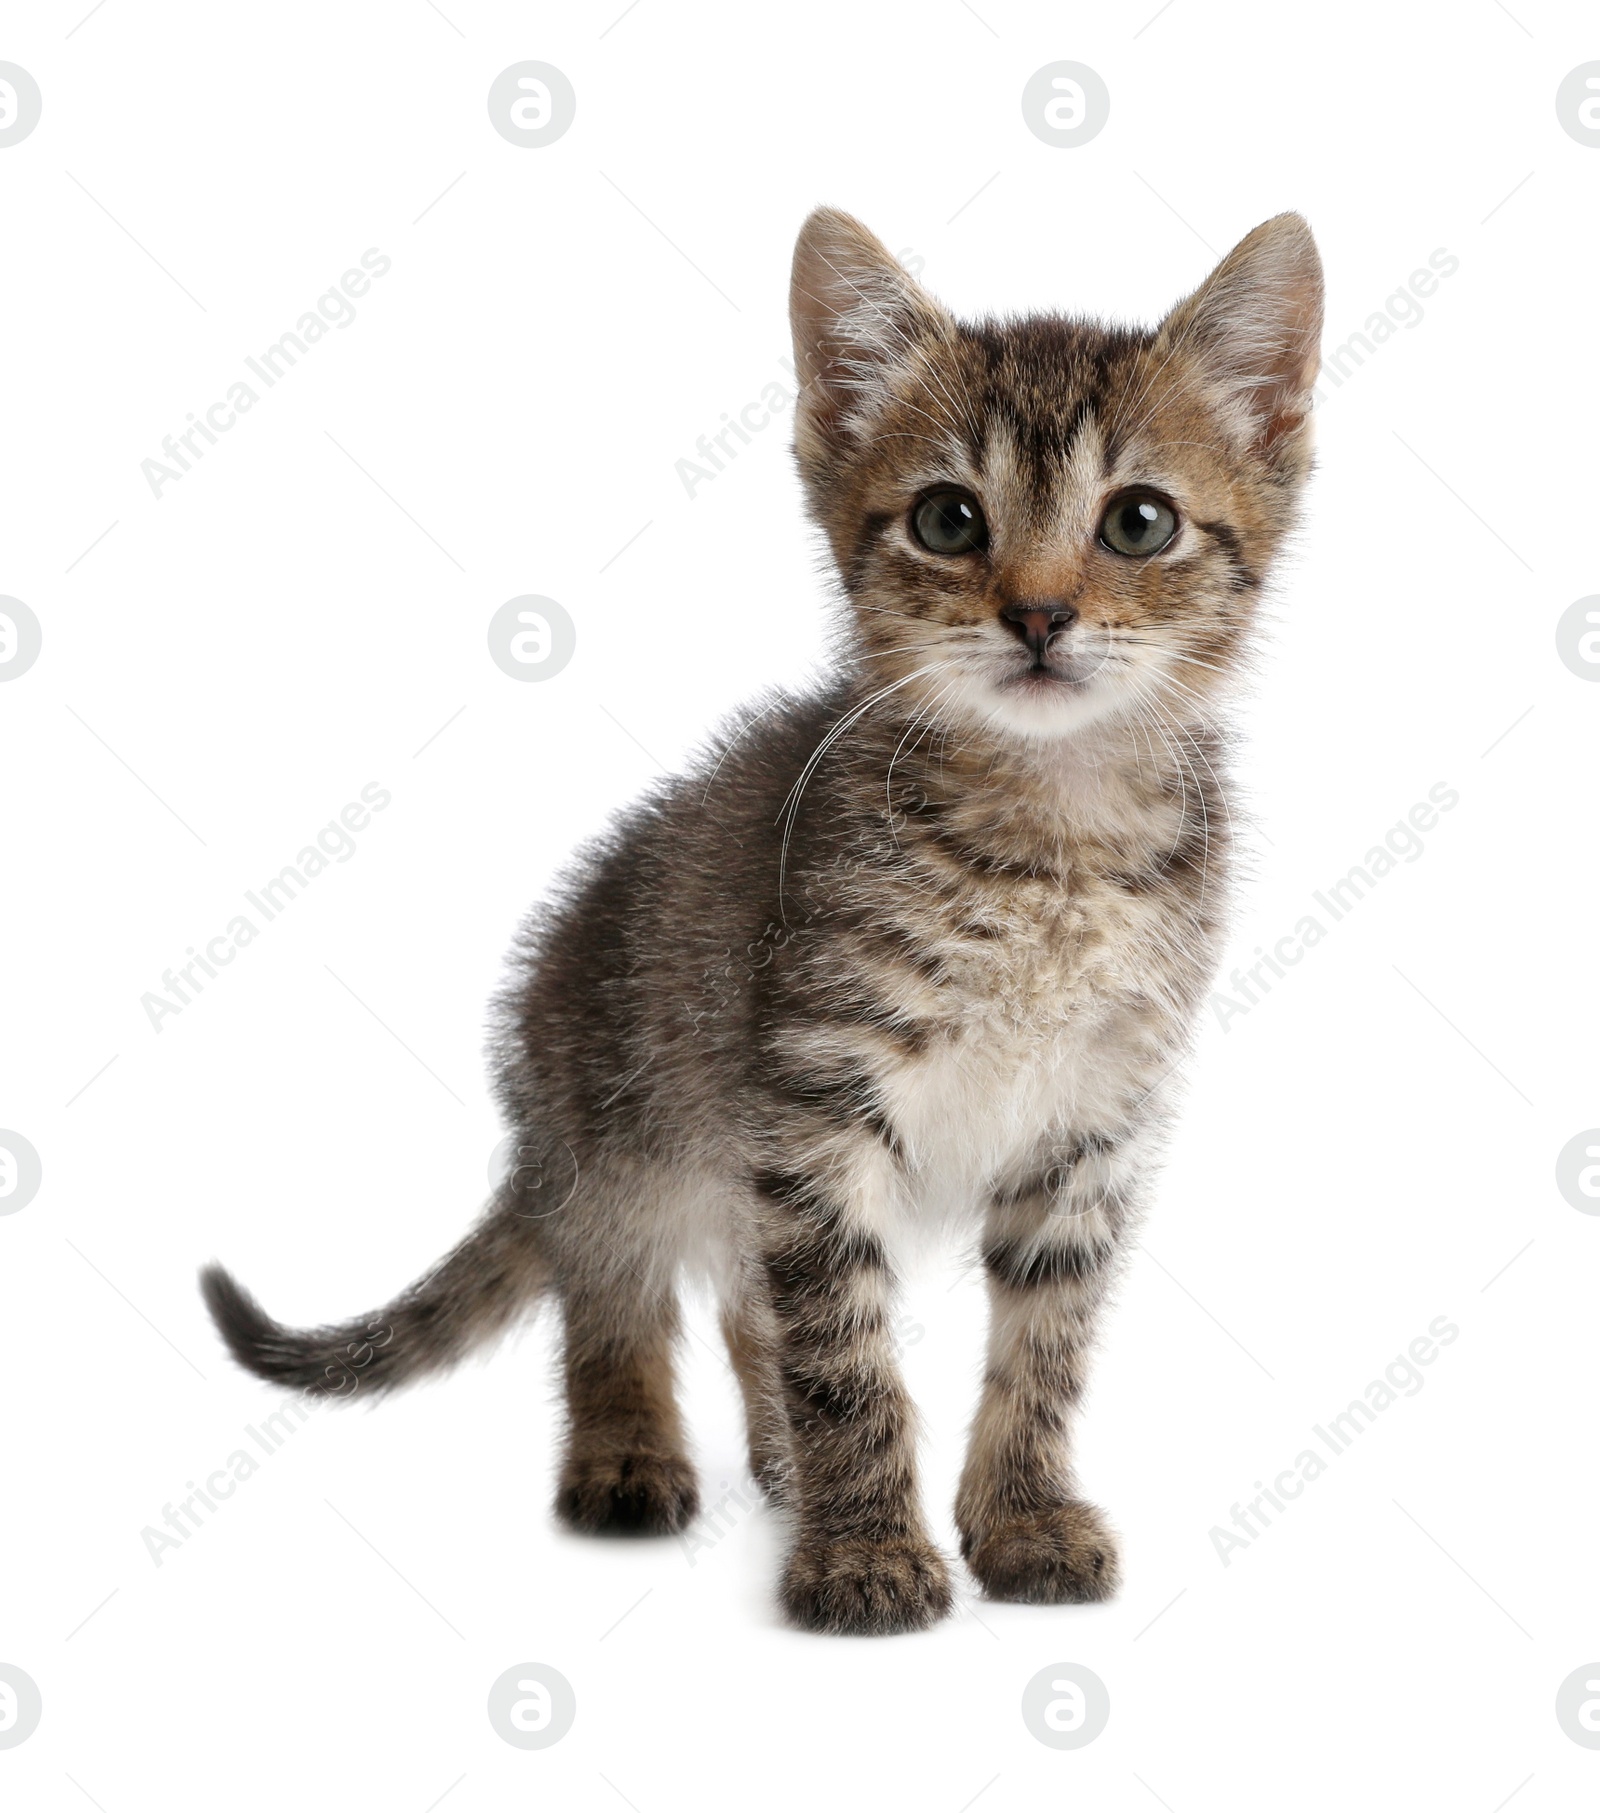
x,y
1049,1248
862,1561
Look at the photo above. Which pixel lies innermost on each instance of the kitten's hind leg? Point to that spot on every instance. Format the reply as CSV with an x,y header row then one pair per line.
x,y
625,1470
752,1337
1050,1246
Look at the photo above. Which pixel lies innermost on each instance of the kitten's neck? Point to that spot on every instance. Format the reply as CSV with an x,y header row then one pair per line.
x,y
1117,786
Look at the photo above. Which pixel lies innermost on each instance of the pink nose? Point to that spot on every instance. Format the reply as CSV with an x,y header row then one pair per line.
x,y
1036,620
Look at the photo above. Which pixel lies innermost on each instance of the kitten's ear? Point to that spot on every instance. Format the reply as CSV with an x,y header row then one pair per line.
x,y
855,311
1255,327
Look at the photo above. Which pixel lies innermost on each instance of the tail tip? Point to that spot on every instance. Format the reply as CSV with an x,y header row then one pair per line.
x,y
241,1321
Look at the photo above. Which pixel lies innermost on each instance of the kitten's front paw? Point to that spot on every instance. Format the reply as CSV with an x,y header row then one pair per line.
x,y
1064,1556
628,1494
866,1589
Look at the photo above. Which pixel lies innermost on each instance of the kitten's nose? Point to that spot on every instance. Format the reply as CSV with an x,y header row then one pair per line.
x,y
1036,620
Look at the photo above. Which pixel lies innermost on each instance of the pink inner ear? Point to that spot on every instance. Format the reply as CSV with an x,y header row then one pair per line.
x,y
851,305
1285,402
1256,323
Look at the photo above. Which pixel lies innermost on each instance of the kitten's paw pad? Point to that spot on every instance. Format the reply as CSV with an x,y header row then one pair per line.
x,y
1066,1556
868,1589
628,1495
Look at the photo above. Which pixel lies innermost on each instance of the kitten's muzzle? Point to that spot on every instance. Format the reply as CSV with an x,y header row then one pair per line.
x,y
1036,620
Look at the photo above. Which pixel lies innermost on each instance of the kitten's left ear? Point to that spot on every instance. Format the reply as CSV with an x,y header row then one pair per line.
x,y
1255,327
855,312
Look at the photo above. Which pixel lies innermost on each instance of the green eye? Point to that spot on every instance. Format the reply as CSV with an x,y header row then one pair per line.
x,y
949,522
1138,523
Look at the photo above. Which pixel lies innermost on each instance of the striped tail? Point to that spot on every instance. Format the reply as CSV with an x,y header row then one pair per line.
x,y
471,1296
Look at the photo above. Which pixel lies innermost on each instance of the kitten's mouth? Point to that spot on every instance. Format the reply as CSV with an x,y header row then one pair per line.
x,y
1072,666
1041,677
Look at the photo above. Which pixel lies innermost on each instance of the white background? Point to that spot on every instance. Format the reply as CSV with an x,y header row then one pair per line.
x,y
274,632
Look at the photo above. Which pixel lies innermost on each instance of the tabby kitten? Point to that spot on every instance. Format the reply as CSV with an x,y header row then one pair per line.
x,y
927,940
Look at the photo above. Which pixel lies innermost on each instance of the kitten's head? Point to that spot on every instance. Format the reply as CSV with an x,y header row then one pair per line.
x,y
1045,523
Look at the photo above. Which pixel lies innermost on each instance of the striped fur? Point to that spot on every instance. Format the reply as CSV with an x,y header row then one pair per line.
x,y
921,945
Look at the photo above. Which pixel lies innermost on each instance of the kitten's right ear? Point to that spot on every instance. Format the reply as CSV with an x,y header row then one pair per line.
x,y
1255,325
855,311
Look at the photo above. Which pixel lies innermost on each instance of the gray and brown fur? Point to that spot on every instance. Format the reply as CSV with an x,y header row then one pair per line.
x,y
922,944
